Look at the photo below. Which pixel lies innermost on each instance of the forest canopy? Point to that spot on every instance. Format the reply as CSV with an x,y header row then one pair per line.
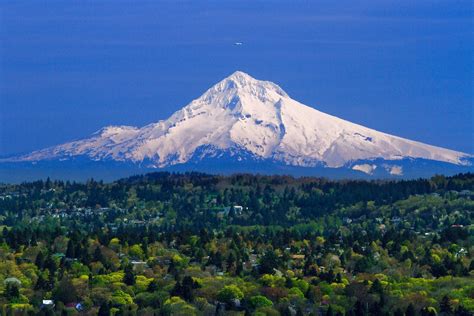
x,y
198,244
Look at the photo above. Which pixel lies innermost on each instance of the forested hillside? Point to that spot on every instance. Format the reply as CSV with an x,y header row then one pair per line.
x,y
197,244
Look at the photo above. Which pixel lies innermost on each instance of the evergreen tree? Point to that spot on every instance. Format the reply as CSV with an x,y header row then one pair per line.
x,y
462,311
410,311
104,309
39,261
129,277
41,283
398,312
98,255
445,306
376,287
359,309
70,252
12,291
145,246
330,311
153,286
269,262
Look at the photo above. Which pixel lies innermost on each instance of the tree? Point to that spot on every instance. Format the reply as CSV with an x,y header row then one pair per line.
x,y
177,306
428,311
330,311
98,255
65,291
462,311
119,297
445,306
185,288
12,291
39,261
70,252
359,309
129,277
410,311
145,247
231,261
269,262
50,264
41,283
230,293
260,301
376,287
398,312
104,309
153,286
136,251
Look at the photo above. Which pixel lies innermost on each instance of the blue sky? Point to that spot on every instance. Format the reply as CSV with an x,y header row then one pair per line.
x,y
68,68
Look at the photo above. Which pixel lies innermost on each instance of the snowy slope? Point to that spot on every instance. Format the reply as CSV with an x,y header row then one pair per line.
x,y
244,116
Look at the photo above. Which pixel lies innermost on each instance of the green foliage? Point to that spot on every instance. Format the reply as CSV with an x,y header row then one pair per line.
x,y
177,306
272,280
165,244
136,252
294,291
119,297
230,293
260,301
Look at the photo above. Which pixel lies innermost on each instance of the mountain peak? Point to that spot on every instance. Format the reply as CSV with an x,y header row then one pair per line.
x,y
240,76
246,118
240,84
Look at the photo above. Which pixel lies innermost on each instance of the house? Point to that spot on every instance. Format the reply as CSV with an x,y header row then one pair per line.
x,y
252,262
465,193
347,220
236,303
396,220
297,257
12,280
238,209
47,303
461,253
212,269
138,265
253,259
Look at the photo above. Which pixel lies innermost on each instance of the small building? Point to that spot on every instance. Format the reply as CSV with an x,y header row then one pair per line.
x,y
461,253
47,303
238,209
138,265
396,220
347,220
12,280
465,193
297,257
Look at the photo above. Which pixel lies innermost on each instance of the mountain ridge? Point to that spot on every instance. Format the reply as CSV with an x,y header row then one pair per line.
x,y
245,116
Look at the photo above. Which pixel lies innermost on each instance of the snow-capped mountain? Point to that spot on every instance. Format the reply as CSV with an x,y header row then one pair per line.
x,y
245,119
